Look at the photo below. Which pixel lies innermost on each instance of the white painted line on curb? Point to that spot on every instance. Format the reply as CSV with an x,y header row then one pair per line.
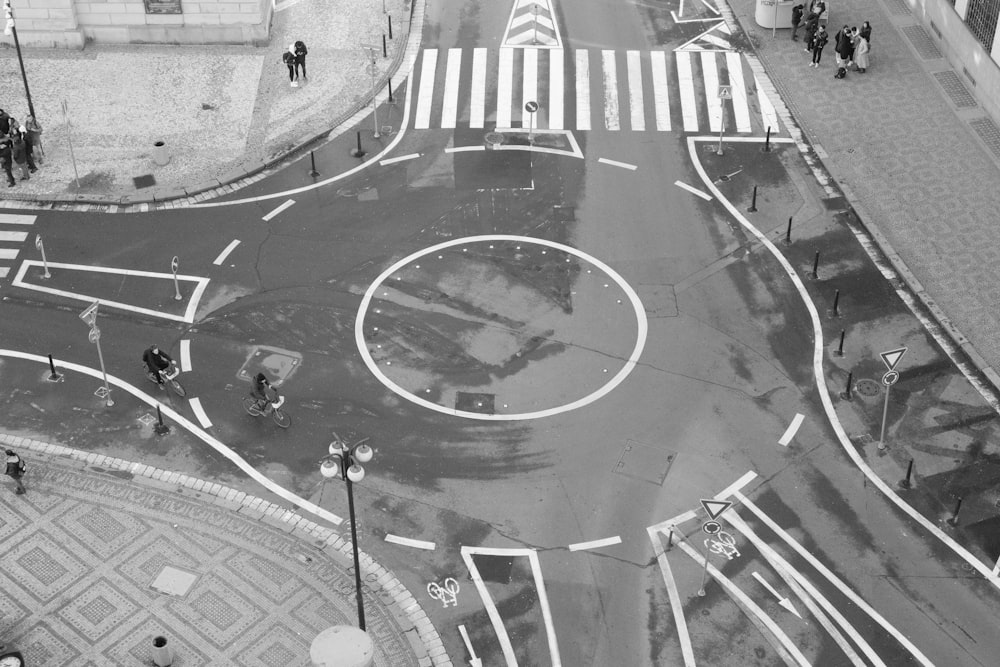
x,y
186,355
407,542
199,412
616,163
595,544
401,158
692,190
225,253
791,430
267,218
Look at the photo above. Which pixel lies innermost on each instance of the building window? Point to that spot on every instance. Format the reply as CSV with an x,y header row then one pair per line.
x,y
982,20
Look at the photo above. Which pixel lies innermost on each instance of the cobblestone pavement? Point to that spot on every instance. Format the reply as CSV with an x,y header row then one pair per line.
x,y
86,549
909,159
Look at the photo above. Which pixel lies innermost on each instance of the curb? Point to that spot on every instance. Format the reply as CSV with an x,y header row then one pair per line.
x,y
417,627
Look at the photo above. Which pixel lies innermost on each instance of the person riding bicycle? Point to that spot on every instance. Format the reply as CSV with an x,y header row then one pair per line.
x,y
156,362
262,390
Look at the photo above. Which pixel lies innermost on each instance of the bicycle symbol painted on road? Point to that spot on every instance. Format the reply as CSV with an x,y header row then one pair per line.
x,y
724,544
447,594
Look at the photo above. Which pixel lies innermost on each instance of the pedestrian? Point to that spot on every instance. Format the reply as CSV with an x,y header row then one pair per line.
x,y
866,32
29,149
861,50
15,470
7,160
797,11
35,136
842,46
812,24
288,57
4,123
819,43
300,52
20,153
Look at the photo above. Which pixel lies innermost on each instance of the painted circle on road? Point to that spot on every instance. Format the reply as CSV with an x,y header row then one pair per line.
x,y
457,326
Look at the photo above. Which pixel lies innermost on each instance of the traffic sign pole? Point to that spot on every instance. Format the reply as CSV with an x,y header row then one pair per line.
x,y
885,414
177,290
95,338
704,575
41,246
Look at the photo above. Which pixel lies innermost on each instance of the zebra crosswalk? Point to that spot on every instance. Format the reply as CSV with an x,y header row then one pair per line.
x,y
586,89
12,238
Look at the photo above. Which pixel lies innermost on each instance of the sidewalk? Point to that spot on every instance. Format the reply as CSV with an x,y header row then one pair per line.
x,y
221,111
914,160
101,555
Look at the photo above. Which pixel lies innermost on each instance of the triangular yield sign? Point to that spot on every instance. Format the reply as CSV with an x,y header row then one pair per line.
x,y
715,507
892,357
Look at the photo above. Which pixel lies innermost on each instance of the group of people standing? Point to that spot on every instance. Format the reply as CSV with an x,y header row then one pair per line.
x,y
20,146
852,44
295,58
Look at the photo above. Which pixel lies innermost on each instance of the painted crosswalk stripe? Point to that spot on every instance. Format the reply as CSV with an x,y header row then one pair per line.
x,y
449,112
556,89
685,83
595,544
661,93
767,112
4,271
426,94
710,75
582,89
610,69
477,102
505,84
529,85
199,412
741,109
638,113
17,237
16,219
9,253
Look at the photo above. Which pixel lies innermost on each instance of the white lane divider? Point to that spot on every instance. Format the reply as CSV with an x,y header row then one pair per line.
x,y
474,660
225,253
401,158
695,191
185,355
595,544
199,412
791,430
407,542
267,218
616,163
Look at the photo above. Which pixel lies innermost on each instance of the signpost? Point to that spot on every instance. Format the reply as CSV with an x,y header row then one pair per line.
x,y
373,70
531,107
69,137
891,360
725,93
177,290
714,508
41,246
89,315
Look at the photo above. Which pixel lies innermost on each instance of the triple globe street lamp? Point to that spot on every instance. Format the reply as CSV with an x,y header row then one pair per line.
x,y
11,29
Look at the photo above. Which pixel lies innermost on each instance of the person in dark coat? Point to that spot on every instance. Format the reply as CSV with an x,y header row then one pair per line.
x,y
288,57
842,46
812,24
29,148
818,44
300,57
4,123
15,470
7,161
797,11
20,154
866,32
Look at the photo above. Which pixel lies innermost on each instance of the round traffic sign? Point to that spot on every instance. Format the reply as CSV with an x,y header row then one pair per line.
x,y
531,106
173,264
94,335
890,378
711,527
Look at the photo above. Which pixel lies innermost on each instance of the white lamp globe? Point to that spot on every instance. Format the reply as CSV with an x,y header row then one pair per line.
x,y
364,454
355,473
329,469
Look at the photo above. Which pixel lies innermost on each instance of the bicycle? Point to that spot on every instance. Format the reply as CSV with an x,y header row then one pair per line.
x,y
169,376
254,408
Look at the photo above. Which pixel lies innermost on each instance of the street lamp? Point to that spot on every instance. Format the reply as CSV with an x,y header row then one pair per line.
x,y
344,462
11,29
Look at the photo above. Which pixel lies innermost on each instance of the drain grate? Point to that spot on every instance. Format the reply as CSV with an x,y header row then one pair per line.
x,y
868,388
898,7
956,90
988,132
922,42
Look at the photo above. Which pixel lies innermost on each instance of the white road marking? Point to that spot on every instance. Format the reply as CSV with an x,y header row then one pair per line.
x,y
188,316
449,111
791,430
693,190
582,89
595,544
185,355
710,75
636,110
555,89
407,542
17,219
13,237
225,253
741,108
188,425
401,158
616,163
676,605
426,95
767,112
279,209
491,609
610,70
661,92
199,412
685,82
505,84
477,102
4,271
473,659
529,84
736,486
9,253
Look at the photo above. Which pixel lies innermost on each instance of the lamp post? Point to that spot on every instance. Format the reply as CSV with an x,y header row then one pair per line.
x,y
345,461
11,29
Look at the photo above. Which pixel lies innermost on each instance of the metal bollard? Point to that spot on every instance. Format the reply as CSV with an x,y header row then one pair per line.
x,y
357,152
788,232
953,521
385,52
815,272
840,348
836,304
53,375
767,141
905,482
163,655
312,162
160,428
390,26
753,202
846,394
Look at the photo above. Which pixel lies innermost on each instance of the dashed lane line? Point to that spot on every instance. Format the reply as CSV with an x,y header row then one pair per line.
x,y
409,542
225,253
269,216
791,430
401,158
186,355
693,190
595,544
616,163
199,412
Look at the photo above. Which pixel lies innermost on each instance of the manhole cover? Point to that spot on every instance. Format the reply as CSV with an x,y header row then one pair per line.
x,y
867,388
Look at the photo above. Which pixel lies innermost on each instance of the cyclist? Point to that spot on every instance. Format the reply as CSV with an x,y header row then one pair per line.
x,y
156,362
262,390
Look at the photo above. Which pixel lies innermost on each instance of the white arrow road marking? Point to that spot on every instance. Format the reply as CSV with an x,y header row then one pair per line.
x,y
784,602
473,660
791,430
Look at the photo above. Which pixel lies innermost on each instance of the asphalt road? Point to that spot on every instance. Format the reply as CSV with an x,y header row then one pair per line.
x,y
545,350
